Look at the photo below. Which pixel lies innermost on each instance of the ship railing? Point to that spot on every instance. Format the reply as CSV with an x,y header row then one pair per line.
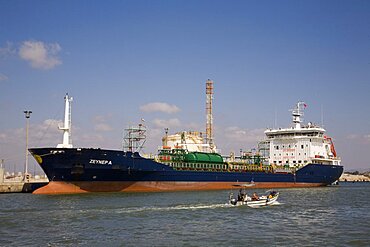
x,y
326,161
282,169
243,167
225,167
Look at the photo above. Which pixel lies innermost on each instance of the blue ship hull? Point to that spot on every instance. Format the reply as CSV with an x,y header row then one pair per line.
x,y
88,170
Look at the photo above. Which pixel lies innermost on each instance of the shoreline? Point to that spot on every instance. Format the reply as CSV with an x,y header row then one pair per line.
x,y
347,177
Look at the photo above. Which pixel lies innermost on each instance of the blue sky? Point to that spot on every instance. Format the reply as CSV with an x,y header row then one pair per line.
x,y
116,57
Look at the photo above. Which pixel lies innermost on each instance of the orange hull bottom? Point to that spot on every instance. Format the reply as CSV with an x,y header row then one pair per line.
x,y
85,187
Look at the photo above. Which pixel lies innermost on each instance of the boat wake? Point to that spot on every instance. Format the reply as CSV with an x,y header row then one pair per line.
x,y
166,208
173,208
181,207
277,203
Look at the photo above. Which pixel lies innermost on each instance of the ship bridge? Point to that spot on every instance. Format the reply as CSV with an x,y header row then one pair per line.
x,y
300,144
309,130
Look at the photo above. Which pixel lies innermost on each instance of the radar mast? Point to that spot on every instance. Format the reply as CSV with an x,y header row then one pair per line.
x,y
297,114
67,142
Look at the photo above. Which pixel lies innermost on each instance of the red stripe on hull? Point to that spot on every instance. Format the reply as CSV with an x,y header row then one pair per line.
x,y
85,187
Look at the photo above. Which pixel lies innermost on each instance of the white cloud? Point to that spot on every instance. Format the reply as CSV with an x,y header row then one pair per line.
x,y
100,123
3,137
40,55
163,123
159,107
13,142
45,134
93,140
359,138
243,135
353,136
3,77
7,50
102,127
99,119
194,126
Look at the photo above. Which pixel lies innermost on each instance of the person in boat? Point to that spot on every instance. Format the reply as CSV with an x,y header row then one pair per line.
x,y
231,196
242,195
272,194
255,197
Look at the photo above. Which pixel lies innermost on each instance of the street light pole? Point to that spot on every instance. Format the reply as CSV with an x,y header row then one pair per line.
x,y
28,115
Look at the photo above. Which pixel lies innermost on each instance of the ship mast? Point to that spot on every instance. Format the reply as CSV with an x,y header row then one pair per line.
x,y
134,138
67,143
297,114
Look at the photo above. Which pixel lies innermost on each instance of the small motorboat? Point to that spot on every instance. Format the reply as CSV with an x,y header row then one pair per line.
x,y
254,201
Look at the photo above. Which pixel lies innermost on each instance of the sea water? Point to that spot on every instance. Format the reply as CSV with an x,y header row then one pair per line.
x,y
325,216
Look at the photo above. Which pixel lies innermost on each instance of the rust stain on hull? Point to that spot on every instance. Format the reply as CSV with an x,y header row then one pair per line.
x,y
86,187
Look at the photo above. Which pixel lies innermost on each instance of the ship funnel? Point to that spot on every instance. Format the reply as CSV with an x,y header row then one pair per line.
x,y
67,143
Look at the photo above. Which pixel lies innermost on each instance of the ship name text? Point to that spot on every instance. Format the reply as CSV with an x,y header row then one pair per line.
x,y
100,162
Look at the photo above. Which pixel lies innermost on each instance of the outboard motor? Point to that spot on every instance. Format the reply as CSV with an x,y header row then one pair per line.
x,y
232,200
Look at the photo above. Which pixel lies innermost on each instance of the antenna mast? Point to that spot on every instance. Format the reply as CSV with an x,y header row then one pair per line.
x,y
67,143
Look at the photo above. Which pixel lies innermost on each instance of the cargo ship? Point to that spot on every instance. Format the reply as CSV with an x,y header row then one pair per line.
x,y
298,156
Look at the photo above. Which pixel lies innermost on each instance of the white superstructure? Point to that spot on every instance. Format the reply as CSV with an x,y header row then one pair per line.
x,y
67,143
189,140
300,144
